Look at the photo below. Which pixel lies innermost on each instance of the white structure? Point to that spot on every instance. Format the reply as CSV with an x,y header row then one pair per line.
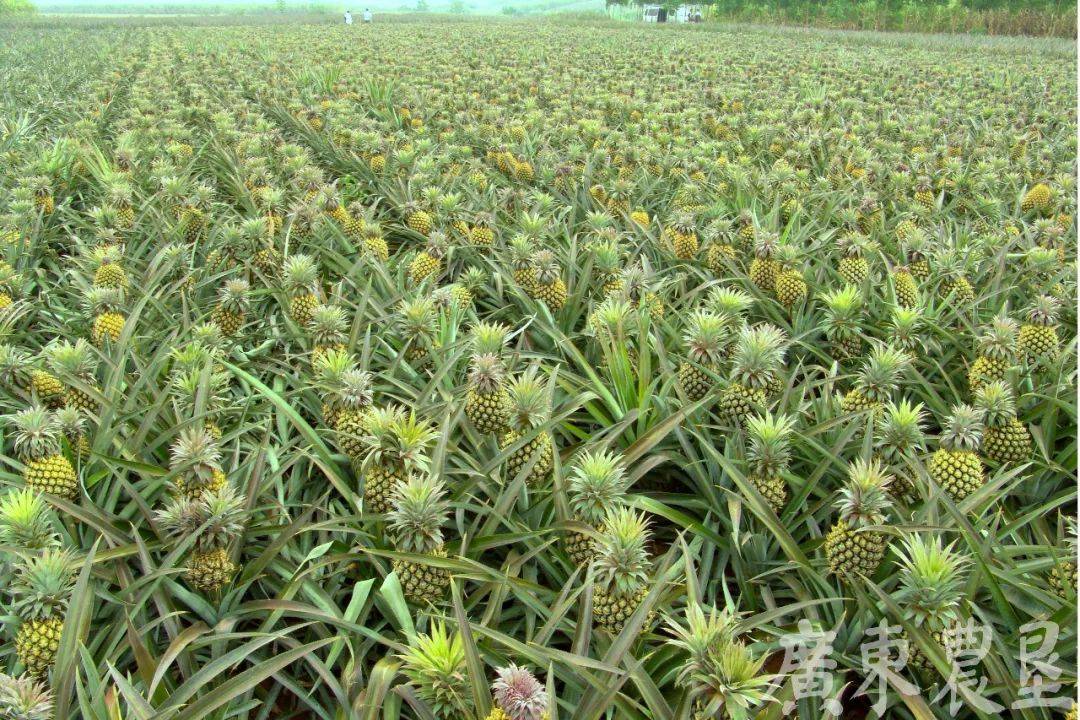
x,y
659,14
654,14
688,13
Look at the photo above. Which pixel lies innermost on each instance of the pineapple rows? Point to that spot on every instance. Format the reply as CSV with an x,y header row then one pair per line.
x,y
656,362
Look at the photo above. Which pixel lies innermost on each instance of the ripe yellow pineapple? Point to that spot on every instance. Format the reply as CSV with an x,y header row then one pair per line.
x,y
37,444
764,268
1038,338
301,276
758,357
682,236
1037,198
417,219
429,261
548,287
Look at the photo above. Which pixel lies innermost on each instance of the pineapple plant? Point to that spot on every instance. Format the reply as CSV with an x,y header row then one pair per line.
x,y
995,353
899,442
110,272
211,522
955,466
925,197
195,463
416,323
230,312
597,485
25,520
916,254
1038,198
905,289
428,263
931,592
843,313
853,267
301,276
395,447
854,545
38,446
1037,341
705,340
487,404
516,694
24,698
1005,439
764,267
548,286
528,411
434,664
768,455
756,362
418,511
41,589
1062,577
76,365
10,285
327,327
105,305
876,381
351,404
789,285
621,568
417,219
682,236
520,259
482,233
72,426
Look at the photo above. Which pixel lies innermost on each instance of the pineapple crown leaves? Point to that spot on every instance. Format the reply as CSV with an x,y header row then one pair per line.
x,y
10,281
473,279
855,245
416,319
683,223
729,301
37,433
103,299
354,391
900,431
398,438
759,354
25,520
327,325
23,698
15,366
997,341
300,273
42,584
234,295
864,499
72,360
931,579
963,430
520,250
1043,311
546,266
706,337
529,403
214,518
881,372
996,402
720,671
486,373
330,368
71,421
842,308
195,453
770,448
488,338
766,244
597,484
419,512
190,385
622,559
610,316
437,244
518,693
435,665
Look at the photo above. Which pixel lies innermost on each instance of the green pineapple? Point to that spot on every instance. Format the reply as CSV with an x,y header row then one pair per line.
x,y
415,522
327,328
110,272
516,694
756,363
622,568
435,666
843,311
487,404
396,447
105,305
853,546
429,261
899,442
520,258
854,268
26,520
917,256
954,282
995,353
789,285
548,286
764,268
41,589
528,411
682,236
301,281
768,455
705,338
1005,440
1062,577
416,324
37,443
352,403
195,463
230,312
76,364
931,591
1038,338
876,381
720,251
905,289
596,486
72,425
215,519
955,466
329,371
23,698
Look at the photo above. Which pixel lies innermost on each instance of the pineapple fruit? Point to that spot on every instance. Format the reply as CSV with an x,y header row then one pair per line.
x,y
418,511
854,545
37,444
621,567
955,466
597,485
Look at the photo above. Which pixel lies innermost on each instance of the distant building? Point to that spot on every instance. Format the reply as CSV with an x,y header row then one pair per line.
x,y
682,14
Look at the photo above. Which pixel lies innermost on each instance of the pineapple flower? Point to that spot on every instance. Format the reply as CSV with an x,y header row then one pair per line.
x,y
519,694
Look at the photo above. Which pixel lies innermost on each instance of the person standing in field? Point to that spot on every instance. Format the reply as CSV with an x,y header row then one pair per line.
x,y
367,15
348,17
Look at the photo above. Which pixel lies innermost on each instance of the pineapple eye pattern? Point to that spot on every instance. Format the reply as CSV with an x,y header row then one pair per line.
x,y
459,368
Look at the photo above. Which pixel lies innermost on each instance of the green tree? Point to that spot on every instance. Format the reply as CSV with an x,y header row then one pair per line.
x,y
16,7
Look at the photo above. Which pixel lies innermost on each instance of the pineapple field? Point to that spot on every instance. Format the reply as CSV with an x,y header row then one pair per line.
x,y
535,370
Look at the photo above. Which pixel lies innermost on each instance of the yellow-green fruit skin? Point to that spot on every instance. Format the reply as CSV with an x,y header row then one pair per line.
x,y
763,273
851,552
419,222
195,490
48,388
737,402
552,294
856,401
957,472
986,370
76,398
611,611
52,474
422,583
210,570
694,381
107,325
1037,198
1008,443
379,483
349,425
489,412
228,322
540,446
36,643
301,307
789,287
907,290
854,269
580,546
1062,579
685,245
422,267
110,275
772,488
1036,342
